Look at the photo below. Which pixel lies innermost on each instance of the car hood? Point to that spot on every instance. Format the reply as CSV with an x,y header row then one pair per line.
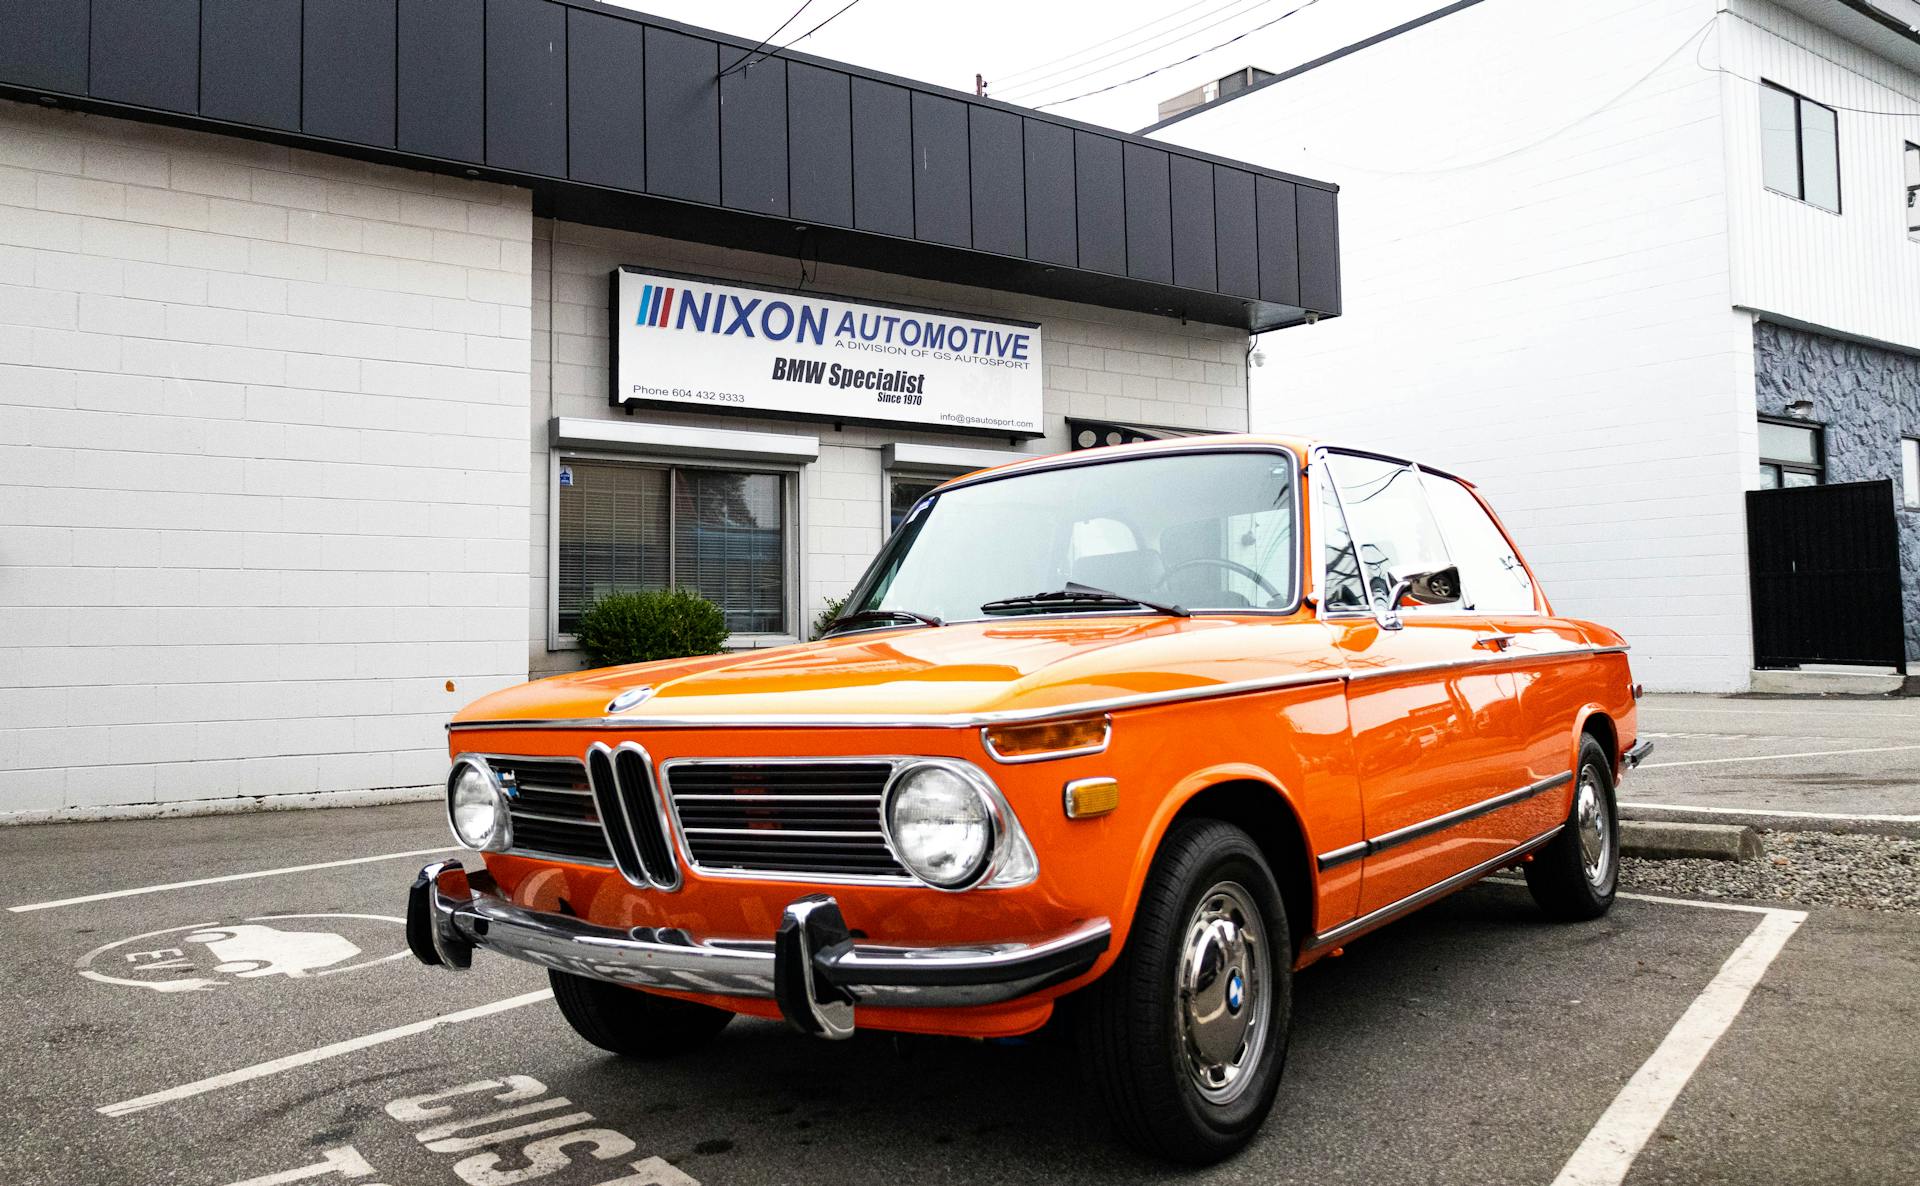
x,y
1013,665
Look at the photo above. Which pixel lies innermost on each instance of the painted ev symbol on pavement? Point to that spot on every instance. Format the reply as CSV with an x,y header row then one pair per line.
x,y
207,956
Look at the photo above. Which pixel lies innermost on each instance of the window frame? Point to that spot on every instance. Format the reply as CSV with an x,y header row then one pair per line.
x,y
1800,152
905,473
1427,478
792,554
1909,447
1910,176
1819,467
1421,473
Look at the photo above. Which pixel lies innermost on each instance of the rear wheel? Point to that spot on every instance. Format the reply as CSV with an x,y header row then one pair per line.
x,y
1186,1035
633,1023
1576,875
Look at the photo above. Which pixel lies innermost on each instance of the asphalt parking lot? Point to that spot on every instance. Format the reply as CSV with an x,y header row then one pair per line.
x,y
1792,758
1474,1041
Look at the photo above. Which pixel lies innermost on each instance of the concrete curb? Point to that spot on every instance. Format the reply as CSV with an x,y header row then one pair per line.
x,y
1678,841
1851,825
311,800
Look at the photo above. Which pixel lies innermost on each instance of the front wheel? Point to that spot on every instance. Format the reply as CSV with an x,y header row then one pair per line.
x,y
1186,1035
1576,875
633,1023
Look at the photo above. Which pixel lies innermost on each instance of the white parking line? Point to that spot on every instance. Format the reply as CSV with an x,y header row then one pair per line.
x,y
1818,753
1825,815
1848,711
174,885
262,1069
1604,1158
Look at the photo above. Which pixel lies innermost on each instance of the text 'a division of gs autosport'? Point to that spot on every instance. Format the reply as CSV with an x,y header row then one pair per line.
x,y
1134,735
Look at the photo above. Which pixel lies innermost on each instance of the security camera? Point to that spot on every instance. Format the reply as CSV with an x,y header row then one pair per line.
x,y
1312,317
1258,357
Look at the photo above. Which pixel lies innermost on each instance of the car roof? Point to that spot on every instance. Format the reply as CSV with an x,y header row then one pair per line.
x,y
1298,445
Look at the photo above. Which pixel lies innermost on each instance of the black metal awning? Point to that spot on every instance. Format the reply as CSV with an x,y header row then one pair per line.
x,y
621,119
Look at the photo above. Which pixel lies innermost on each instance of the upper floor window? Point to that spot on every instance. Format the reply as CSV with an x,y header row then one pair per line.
x,y
1790,454
1799,147
1910,472
1913,189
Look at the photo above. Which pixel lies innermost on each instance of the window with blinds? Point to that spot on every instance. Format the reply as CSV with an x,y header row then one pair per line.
x,y
627,527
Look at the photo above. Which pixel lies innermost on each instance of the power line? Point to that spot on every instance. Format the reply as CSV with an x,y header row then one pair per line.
x,y
775,52
1043,65
1047,66
1183,61
795,15
1164,43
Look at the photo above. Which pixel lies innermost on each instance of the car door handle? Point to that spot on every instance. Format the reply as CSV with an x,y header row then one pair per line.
x,y
1494,642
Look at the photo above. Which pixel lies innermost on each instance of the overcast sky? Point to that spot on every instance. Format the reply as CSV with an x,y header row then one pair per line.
x,y
1036,51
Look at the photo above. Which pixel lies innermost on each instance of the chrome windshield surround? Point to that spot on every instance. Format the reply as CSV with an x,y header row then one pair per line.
x,y
1106,739
1008,831
1296,576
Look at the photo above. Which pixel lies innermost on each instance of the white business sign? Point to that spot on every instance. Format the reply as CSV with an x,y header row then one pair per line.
x,y
696,343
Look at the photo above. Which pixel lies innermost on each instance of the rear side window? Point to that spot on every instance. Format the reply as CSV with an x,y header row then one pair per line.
x,y
1491,575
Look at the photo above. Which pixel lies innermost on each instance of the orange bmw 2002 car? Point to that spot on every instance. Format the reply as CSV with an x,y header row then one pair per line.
x,y
1137,733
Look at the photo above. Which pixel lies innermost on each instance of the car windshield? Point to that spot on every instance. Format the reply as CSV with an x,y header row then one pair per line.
x,y
1195,532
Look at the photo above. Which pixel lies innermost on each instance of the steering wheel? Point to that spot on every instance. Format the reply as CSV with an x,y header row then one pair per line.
x,y
1252,574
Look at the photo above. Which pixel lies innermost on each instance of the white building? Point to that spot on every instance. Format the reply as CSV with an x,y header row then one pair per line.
x,y
308,429
1597,254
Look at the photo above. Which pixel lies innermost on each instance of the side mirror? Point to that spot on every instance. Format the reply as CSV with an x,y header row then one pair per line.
x,y
1439,587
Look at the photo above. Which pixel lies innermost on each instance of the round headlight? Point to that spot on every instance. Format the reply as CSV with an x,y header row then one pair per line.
x,y
942,826
476,808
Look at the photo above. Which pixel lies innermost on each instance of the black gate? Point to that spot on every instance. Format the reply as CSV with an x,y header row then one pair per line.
x,y
1825,567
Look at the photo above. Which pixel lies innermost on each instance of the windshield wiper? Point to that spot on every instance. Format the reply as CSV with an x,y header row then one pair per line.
x,y
882,615
1078,594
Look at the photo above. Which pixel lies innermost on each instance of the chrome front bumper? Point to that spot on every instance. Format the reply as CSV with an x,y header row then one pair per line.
x,y
811,965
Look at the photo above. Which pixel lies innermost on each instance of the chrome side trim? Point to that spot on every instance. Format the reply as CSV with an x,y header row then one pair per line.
x,y
1341,856
1411,902
874,720
965,720
1106,739
1439,823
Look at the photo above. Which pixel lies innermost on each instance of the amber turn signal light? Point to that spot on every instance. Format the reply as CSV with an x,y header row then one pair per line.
x,y
1087,797
1047,739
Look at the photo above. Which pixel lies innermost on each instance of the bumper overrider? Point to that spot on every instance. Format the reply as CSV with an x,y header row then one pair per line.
x,y
811,966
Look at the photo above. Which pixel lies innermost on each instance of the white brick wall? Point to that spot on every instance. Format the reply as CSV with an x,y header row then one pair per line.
x,y
262,464
1098,363
1534,233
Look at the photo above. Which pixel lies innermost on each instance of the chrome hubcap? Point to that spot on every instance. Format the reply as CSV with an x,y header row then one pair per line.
x,y
1223,992
1590,819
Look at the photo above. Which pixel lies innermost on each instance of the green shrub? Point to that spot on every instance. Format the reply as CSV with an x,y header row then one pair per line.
x,y
656,624
827,614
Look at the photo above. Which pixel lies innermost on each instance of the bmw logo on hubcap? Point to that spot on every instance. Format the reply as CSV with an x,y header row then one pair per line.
x,y
1236,992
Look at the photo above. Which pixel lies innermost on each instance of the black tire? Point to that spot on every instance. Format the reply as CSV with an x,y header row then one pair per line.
x,y
632,1023
1563,876
1133,1028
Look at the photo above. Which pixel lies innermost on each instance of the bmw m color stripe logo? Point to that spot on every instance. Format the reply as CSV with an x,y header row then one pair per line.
x,y
656,303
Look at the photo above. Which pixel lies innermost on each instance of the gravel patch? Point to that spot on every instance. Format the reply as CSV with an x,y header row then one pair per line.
x,y
1803,868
